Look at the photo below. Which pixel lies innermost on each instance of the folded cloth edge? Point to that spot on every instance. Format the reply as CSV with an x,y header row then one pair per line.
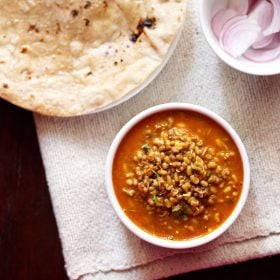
x,y
226,254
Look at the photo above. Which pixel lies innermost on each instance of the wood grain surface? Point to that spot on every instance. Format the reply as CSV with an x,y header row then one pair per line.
x,y
29,244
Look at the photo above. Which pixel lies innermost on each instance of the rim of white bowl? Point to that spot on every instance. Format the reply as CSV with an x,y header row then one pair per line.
x,y
244,65
174,244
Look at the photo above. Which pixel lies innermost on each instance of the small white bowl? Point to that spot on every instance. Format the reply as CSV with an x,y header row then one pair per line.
x,y
157,240
208,8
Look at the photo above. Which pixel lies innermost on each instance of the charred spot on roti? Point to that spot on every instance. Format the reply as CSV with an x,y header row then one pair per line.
x,y
133,38
24,50
74,13
33,28
148,23
57,28
117,62
87,5
87,21
27,74
5,86
105,4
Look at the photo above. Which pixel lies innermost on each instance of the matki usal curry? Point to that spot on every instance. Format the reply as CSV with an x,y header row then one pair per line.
x,y
177,175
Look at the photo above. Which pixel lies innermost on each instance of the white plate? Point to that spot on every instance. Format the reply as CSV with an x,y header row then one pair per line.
x,y
142,86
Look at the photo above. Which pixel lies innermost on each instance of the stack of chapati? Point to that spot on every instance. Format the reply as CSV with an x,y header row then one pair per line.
x,y
66,58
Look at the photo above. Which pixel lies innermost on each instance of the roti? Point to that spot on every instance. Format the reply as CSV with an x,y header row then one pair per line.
x,y
67,58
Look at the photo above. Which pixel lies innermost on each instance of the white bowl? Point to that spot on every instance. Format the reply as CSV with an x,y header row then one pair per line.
x,y
208,8
157,240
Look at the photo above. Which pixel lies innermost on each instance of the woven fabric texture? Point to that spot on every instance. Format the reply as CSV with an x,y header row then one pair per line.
x,y
95,243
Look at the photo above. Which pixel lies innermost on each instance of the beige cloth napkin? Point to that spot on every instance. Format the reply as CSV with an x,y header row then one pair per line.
x,y
95,243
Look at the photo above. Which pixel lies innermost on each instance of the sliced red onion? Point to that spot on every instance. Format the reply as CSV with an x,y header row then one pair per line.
x,y
240,6
263,41
238,34
270,53
250,28
251,4
275,42
262,12
263,55
220,19
274,27
228,25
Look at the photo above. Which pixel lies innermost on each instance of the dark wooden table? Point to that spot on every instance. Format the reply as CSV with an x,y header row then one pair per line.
x,y
29,243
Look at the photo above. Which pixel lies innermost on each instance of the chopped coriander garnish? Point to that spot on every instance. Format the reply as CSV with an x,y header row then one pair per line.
x,y
157,176
186,210
155,199
176,208
146,148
